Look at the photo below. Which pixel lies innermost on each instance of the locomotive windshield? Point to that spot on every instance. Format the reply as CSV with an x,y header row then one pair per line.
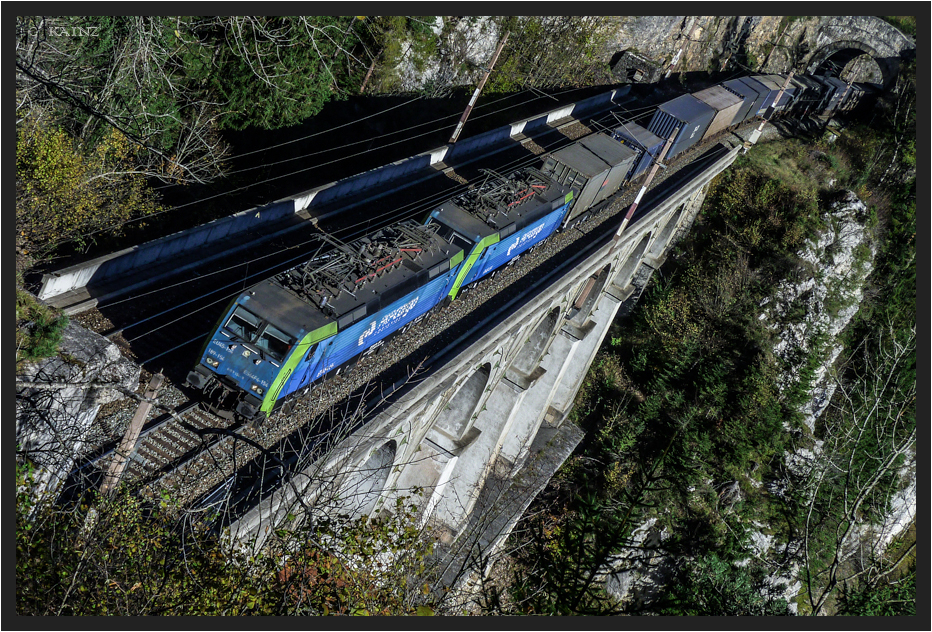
x,y
243,324
248,327
274,341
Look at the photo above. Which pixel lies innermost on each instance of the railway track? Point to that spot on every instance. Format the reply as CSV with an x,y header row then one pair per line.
x,y
165,444
284,438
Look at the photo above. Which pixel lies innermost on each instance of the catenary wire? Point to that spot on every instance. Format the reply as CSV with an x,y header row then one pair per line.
x,y
410,209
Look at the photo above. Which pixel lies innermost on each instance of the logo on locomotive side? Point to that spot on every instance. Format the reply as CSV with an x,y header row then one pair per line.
x,y
388,320
529,235
366,333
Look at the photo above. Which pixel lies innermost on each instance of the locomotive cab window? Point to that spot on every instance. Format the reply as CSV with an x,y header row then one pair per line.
x,y
274,341
243,324
266,337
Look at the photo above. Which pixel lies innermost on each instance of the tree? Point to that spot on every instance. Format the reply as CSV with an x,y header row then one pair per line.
x,y
273,72
129,74
709,585
868,434
127,554
65,193
896,597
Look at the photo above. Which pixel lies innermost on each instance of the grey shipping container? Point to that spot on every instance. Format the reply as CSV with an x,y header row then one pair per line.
x,y
688,113
825,93
764,86
807,93
839,91
747,95
788,94
856,94
619,157
577,167
802,84
725,104
762,92
647,144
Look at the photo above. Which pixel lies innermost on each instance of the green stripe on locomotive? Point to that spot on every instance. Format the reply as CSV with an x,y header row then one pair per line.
x,y
321,333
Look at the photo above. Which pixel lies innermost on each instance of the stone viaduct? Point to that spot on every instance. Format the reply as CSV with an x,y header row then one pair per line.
x,y
475,441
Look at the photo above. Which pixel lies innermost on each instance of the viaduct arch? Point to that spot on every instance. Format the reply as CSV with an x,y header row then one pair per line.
x,y
474,442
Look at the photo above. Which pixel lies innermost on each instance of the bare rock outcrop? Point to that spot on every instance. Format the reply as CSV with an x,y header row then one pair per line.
x,y
57,400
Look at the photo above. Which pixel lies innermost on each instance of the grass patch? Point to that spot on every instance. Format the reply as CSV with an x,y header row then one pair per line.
x,y
906,23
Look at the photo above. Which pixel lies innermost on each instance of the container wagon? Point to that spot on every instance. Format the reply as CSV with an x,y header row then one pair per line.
x,y
808,95
616,155
826,89
725,104
689,114
578,168
856,95
749,98
757,108
766,88
789,93
647,145
836,92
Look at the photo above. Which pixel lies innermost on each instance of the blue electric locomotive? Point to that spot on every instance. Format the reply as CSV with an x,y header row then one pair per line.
x,y
282,335
306,323
499,220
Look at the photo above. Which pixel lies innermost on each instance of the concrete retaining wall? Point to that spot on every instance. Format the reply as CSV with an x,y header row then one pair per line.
x,y
124,261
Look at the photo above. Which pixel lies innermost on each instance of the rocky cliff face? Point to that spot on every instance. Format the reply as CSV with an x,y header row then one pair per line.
x,y
674,44
464,46
54,419
839,258
806,314
757,43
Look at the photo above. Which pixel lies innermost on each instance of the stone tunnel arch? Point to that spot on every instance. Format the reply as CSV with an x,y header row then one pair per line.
x,y
836,59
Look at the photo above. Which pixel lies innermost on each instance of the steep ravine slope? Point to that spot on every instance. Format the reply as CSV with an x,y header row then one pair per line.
x,y
807,315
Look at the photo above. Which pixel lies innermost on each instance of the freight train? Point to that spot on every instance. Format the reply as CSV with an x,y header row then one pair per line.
x,y
283,336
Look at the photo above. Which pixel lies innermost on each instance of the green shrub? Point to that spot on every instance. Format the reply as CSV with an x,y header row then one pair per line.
x,y
906,23
65,191
39,329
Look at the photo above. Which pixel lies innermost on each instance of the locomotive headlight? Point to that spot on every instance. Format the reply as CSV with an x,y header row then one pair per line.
x,y
212,362
257,389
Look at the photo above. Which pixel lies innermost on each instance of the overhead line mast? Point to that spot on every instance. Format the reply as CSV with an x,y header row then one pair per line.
x,y
475,95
